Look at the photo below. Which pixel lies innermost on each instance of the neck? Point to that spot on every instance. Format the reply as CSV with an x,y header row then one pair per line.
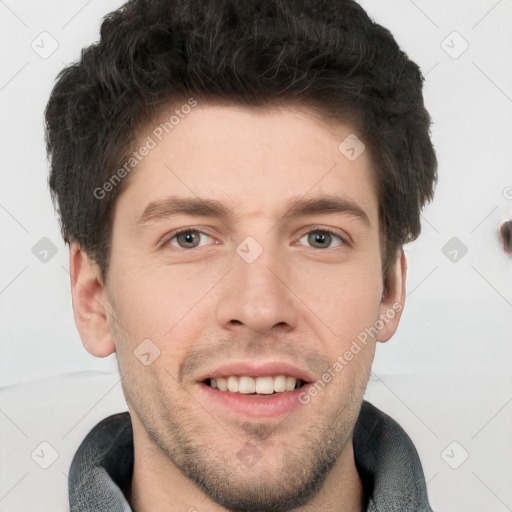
x,y
157,484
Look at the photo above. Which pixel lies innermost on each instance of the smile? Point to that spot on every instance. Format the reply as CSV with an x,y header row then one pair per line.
x,y
259,389
245,385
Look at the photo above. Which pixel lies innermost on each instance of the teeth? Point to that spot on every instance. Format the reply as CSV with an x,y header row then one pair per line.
x,y
261,385
233,384
290,383
246,385
264,385
222,385
279,383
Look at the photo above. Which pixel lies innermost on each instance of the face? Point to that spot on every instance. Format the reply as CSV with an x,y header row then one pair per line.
x,y
246,260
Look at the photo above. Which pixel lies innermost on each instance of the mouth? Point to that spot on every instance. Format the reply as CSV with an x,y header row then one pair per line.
x,y
257,389
259,386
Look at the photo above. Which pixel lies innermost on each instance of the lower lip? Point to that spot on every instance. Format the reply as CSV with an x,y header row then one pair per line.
x,y
261,406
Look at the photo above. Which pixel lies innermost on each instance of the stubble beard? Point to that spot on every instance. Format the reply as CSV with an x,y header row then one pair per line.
x,y
291,482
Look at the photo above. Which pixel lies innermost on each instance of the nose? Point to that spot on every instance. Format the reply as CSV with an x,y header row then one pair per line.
x,y
256,296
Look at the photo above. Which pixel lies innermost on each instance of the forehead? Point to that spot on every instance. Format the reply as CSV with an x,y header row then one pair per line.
x,y
256,160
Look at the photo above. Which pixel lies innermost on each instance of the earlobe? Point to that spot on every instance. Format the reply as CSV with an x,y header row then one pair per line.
x,y
89,301
393,299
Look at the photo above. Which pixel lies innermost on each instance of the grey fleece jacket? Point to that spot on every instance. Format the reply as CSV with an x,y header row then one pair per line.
x,y
385,457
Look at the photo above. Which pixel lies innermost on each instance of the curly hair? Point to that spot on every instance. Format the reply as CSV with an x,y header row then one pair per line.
x,y
327,55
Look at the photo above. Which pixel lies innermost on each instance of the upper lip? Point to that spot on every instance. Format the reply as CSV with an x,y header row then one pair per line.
x,y
254,368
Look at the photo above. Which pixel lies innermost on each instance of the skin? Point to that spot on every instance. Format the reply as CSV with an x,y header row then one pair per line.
x,y
298,301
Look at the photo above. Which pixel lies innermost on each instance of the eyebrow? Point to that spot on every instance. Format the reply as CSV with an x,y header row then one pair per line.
x,y
176,205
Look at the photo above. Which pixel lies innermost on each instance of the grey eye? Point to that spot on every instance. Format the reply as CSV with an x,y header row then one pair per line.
x,y
322,239
189,239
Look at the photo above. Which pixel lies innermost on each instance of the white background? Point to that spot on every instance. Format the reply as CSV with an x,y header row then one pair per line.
x,y
446,375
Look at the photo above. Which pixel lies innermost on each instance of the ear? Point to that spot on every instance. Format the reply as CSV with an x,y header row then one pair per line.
x,y
89,301
393,298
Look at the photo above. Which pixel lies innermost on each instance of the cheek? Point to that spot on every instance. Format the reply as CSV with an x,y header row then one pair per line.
x,y
158,311
345,298
151,300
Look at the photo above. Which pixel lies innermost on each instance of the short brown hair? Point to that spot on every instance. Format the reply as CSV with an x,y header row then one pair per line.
x,y
325,54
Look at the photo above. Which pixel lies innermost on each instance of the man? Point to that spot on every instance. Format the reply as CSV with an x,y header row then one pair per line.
x,y
236,181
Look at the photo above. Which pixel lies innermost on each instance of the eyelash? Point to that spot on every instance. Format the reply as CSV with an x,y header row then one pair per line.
x,y
190,230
